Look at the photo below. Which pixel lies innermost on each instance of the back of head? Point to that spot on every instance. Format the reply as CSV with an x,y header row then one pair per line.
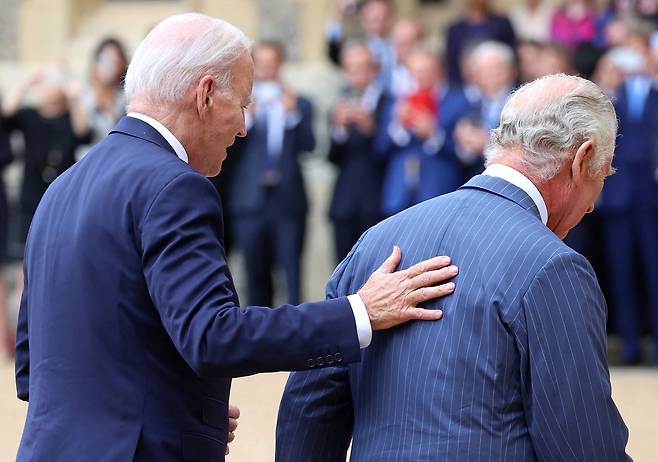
x,y
178,52
545,120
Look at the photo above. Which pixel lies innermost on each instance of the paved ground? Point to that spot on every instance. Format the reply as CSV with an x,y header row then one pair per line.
x,y
635,391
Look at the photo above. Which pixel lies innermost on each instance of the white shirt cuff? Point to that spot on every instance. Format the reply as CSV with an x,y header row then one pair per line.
x,y
361,319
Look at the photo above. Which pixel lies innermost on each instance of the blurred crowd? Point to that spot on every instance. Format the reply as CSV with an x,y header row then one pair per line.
x,y
410,123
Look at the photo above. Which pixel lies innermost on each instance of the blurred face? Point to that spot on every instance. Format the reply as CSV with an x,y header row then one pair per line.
x,y
224,117
109,65
405,37
267,63
375,18
553,61
359,66
424,68
492,73
529,61
52,99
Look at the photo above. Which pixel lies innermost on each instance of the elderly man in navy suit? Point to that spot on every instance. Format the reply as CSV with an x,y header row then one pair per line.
x,y
517,369
130,328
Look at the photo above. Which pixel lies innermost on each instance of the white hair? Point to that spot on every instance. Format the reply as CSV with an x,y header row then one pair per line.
x,y
549,119
491,47
178,52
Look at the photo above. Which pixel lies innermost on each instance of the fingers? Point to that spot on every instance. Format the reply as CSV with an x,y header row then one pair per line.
x,y
421,314
392,261
232,424
427,265
231,437
425,294
431,278
233,411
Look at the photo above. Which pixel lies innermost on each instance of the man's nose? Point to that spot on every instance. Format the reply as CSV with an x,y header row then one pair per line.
x,y
242,132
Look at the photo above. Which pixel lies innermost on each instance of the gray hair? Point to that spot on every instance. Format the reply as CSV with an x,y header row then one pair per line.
x,y
489,47
178,52
549,119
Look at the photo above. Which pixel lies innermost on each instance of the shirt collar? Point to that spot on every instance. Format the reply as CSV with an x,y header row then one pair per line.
x,y
521,181
166,134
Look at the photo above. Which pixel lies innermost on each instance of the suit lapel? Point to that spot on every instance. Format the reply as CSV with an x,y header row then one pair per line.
x,y
140,129
504,189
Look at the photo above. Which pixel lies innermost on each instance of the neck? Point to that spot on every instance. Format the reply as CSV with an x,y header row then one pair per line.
x,y
554,192
175,119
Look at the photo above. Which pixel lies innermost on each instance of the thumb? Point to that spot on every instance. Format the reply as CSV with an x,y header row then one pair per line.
x,y
392,261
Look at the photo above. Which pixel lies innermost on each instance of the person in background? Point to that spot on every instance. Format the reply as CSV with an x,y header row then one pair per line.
x,y
375,18
524,333
629,203
478,23
6,158
267,200
104,101
412,140
555,59
532,20
574,23
406,37
529,60
354,120
492,69
609,22
52,131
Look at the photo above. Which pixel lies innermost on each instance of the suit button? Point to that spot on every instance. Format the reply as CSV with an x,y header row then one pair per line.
x,y
338,357
311,362
319,361
329,359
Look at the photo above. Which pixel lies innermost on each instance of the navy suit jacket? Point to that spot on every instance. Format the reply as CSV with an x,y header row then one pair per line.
x,y
247,193
516,369
129,327
358,187
636,159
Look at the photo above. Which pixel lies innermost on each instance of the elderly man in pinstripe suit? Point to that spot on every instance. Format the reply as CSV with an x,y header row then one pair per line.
x,y
517,370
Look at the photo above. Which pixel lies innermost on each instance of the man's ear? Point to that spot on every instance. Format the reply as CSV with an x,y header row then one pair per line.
x,y
582,161
205,92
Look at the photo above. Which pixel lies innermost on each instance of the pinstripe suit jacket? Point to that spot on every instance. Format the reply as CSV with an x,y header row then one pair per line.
x,y
515,371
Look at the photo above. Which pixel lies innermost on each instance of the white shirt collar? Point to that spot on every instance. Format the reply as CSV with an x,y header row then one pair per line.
x,y
519,180
166,134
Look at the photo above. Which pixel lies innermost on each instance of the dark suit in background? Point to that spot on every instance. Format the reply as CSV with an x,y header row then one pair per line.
x,y
268,205
129,328
355,202
516,370
629,212
50,146
464,34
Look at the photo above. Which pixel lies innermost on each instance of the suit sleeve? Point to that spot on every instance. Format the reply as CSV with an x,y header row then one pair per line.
x,y
23,348
186,273
316,415
564,367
